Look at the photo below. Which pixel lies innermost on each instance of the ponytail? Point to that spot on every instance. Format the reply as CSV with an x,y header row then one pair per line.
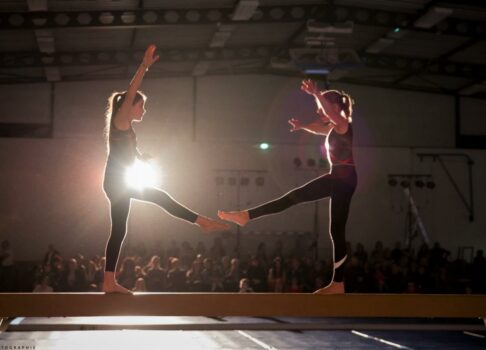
x,y
347,105
342,99
114,103
117,101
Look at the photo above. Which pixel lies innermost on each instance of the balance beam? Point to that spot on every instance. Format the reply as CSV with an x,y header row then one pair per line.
x,y
248,304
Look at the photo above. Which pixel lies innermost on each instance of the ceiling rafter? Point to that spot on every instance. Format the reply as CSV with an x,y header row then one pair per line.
x,y
266,14
409,65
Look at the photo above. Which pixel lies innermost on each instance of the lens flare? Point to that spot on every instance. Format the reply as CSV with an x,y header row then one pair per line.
x,y
264,146
140,175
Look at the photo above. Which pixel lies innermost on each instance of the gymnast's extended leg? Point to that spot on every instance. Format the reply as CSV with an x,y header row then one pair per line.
x,y
174,208
314,190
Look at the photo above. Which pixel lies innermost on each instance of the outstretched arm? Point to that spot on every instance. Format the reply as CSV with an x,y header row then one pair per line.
x,y
317,127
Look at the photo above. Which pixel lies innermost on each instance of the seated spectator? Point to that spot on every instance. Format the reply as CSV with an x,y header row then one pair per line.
x,y
194,276
44,286
294,276
233,277
50,255
176,277
354,275
73,278
155,275
92,275
245,286
276,276
127,274
139,285
257,276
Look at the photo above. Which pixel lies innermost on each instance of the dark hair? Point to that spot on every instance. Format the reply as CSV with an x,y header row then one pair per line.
x,y
342,99
114,103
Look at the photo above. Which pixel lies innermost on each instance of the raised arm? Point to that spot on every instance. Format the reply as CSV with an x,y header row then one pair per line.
x,y
148,59
329,109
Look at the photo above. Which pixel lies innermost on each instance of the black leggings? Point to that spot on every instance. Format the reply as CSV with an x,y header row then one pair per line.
x,y
339,185
120,206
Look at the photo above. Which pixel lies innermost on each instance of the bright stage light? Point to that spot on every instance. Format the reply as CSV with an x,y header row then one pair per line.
x,y
140,175
264,146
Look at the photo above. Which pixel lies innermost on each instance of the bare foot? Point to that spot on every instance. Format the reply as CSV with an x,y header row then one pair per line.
x,y
111,286
115,288
332,288
238,217
210,225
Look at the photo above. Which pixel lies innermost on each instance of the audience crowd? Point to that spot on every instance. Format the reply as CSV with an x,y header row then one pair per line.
x,y
184,268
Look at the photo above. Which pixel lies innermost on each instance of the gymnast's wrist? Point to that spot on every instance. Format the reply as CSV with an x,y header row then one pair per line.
x,y
144,66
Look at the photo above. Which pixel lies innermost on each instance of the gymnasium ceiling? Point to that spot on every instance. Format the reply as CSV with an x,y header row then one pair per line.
x,y
424,45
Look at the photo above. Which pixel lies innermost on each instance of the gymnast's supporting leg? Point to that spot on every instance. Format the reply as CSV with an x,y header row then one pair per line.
x,y
174,208
338,213
314,190
119,209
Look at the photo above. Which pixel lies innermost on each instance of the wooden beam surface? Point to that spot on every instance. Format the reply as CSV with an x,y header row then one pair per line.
x,y
248,304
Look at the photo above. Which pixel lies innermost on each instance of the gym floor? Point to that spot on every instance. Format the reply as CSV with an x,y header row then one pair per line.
x,y
202,333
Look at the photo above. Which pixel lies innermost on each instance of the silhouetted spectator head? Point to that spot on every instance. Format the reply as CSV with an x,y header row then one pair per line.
x,y
174,263
235,262
72,264
245,286
154,262
128,265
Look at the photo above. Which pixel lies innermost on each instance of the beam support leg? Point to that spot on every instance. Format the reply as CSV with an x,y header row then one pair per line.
x,y
4,323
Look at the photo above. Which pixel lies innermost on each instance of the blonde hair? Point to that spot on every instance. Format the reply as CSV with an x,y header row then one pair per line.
x,y
342,99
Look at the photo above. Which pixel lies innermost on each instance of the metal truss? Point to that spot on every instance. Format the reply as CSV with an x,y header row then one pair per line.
x,y
409,65
139,18
441,158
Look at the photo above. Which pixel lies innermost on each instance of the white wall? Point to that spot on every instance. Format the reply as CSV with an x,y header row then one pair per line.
x,y
51,188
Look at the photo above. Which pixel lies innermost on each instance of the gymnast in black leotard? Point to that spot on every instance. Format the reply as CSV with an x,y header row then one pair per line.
x,y
334,110
123,109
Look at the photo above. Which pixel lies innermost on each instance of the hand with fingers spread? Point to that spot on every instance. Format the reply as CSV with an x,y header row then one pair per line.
x,y
296,124
309,86
150,57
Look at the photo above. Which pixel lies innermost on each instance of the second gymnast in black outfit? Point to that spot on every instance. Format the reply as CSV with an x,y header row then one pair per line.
x,y
335,110
125,108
